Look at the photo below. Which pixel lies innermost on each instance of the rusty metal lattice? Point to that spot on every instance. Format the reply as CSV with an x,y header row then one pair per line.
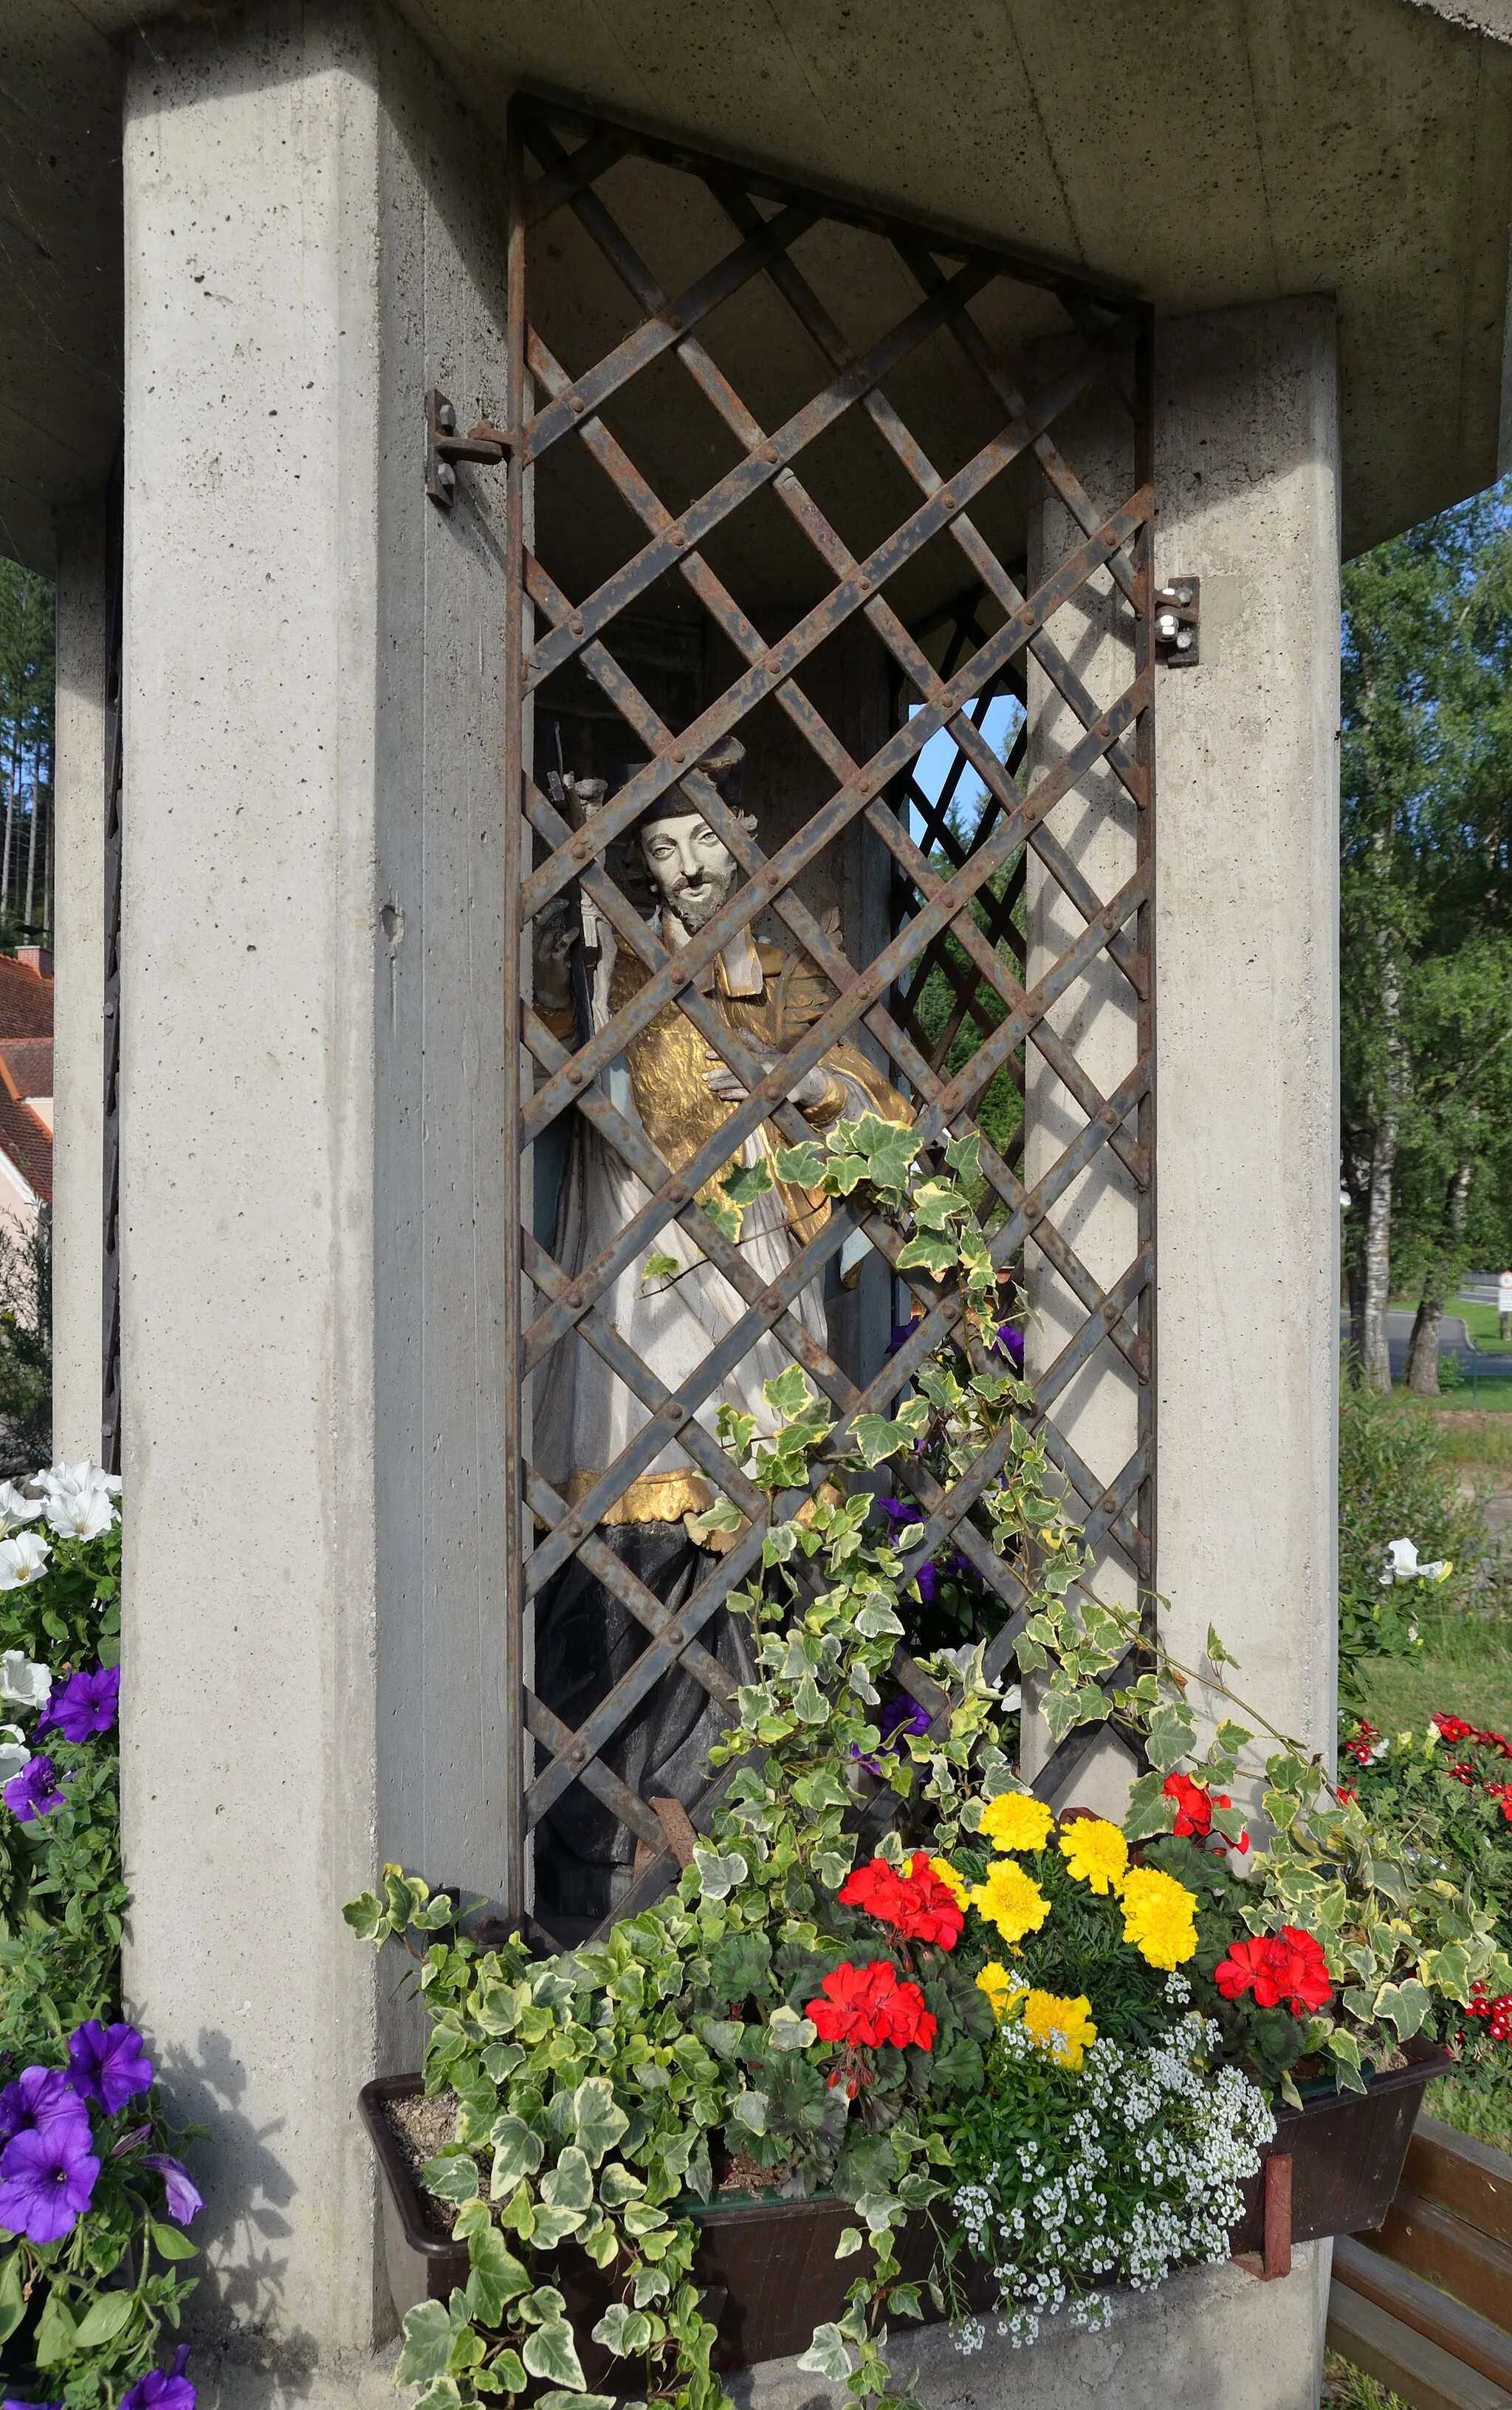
x,y
692,349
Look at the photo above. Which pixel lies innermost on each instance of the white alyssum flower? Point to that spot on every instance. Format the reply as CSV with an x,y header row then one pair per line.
x,y
21,1683
1142,2177
14,1753
22,1557
80,1499
16,1507
1402,1565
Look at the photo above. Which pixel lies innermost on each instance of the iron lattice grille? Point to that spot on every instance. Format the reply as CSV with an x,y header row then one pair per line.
x,y
585,570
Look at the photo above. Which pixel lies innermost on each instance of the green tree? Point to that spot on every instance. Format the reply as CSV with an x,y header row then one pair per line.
x,y
1426,883
27,680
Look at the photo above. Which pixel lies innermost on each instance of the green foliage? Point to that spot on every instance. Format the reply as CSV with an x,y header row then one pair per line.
x,y
25,1346
82,2317
1395,1482
596,2091
1425,900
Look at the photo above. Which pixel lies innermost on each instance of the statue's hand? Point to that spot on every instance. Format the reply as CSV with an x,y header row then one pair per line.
x,y
811,1089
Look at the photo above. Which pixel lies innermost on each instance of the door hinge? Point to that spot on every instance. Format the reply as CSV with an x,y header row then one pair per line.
x,y
444,447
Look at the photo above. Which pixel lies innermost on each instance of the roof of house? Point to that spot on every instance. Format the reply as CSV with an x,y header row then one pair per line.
x,y
26,1066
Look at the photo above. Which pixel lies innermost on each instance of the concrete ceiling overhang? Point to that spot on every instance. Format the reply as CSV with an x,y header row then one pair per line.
x,y
1203,153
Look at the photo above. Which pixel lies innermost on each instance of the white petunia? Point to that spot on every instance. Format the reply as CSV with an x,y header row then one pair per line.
x,y
1402,1565
22,1559
15,1506
14,1753
80,1499
23,1684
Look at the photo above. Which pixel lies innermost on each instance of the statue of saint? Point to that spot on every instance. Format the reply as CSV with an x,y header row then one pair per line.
x,y
671,1082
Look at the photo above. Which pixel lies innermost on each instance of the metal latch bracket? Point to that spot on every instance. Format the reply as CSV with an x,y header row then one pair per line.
x,y
444,447
1178,614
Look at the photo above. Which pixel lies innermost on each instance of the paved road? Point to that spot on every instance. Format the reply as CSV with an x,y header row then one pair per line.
x,y
1454,1346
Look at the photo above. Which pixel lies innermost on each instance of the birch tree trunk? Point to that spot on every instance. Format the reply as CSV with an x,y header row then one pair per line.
x,y
1422,1349
1378,1257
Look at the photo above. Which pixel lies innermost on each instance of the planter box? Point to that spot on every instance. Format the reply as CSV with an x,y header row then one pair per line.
x,y
768,2267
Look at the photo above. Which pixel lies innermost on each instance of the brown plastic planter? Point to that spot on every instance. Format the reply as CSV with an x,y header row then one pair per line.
x,y
768,2267
1347,2150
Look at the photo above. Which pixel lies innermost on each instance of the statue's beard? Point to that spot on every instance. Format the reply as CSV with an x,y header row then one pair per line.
x,y
695,902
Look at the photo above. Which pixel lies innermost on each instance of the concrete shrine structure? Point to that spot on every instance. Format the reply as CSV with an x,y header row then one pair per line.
x,y
253,236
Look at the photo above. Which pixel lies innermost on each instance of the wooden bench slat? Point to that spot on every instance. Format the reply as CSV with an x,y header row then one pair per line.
x,y
1469,2179
1403,2360
1419,2304
1474,2268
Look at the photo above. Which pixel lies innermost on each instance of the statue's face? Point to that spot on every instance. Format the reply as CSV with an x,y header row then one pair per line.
x,y
692,871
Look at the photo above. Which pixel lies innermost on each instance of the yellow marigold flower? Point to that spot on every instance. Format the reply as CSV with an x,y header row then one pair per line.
x,y
1061,2028
1158,1917
958,1885
1000,1988
1010,1901
1096,1851
1016,1820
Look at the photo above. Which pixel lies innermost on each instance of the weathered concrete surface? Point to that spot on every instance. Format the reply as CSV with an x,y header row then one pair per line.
x,y
85,573
1363,150
1247,856
1215,2339
312,1170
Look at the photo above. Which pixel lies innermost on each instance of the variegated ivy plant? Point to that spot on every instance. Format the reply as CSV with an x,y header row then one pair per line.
x,y
596,2091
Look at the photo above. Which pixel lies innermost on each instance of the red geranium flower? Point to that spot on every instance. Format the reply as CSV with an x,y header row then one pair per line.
x,y
1279,1967
916,1903
867,2006
1194,1810
1453,1727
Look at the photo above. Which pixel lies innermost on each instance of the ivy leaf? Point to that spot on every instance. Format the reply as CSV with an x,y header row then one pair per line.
x,y
1172,1729
551,2227
427,2342
1149,1811
510,2371
579,2400
1344,2050
748,1182
928,1250
828,2355
569,2184
659,1266
723,1515
1405,2005
451,2175
809,1706
964,1156
849,2242
717,1876
497,2276
800,1167
597,2120
516,2152
619,2184
889,1148
750,2110
1217,1654
903,2303
788,2031
550,2353
722,2035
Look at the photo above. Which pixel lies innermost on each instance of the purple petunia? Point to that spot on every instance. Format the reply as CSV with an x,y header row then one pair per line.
x,y
183,2194
1009,1342
40,2097
47,2177
108,2064
163,2388
900,1718
86,1703
9,2405
36,1791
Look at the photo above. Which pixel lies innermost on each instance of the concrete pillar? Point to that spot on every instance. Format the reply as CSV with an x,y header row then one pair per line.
x,y
311,1167
1247,847
84,593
